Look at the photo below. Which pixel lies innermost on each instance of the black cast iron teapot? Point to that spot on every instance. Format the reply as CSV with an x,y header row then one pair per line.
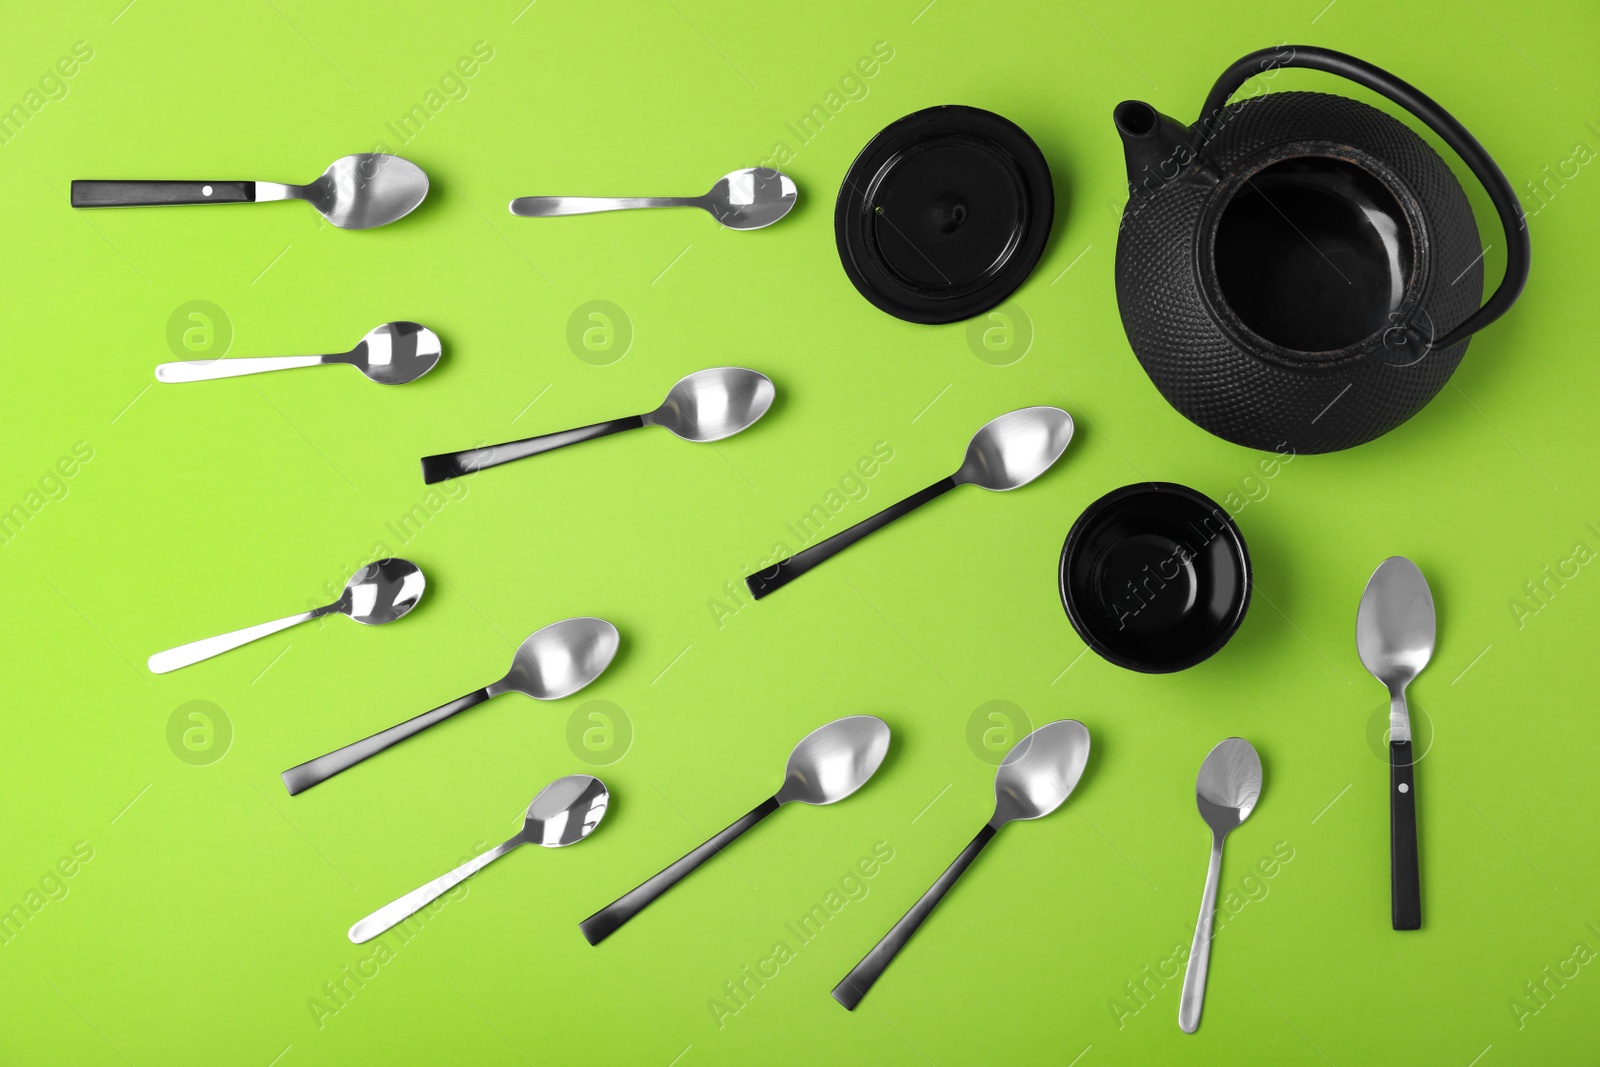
x,y
1299,271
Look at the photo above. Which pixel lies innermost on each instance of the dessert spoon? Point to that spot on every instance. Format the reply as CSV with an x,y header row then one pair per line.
x,y
747,199
392,354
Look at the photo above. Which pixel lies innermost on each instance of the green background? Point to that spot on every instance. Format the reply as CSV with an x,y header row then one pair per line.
x,y
212,909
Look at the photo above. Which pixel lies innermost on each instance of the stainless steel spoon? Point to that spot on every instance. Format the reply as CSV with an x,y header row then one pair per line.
x,y
565,812
1395,628
827,765
392,354
1034,779
744,200
1007,453
355,193
1226,792
378,593
554,662
708,405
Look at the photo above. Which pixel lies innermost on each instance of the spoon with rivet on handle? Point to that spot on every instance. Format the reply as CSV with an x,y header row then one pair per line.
x,y
392,354
380,592
355,193
1007,453
747,199
827,765
1226,793
1395,628
707,405
565,812
1034,779
554,662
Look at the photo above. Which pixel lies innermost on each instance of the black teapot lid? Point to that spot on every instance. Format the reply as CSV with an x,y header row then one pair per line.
x,y
944,214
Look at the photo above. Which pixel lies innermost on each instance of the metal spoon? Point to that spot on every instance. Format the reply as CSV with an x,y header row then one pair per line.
x,y
554,662
391,354
1395,629
1007,453
378,593
355,193
1034,779
1226,792
565,812
744,200
827,765
708,405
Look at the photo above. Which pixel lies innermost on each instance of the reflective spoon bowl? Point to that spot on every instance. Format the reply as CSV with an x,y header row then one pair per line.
x,y
392,354
747,199
380,592
708,405
828,764
565,812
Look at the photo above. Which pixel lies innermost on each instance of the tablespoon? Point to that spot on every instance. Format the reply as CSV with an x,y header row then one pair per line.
x,y
378,593
827,765
1226,792
1034,779
391,354
1007,453
708,405
1395,628
355,193
565,812
554,662
744,200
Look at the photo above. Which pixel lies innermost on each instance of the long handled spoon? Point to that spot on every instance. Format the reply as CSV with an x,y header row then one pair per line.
x,y
1007,453
1034,779
391,354
828,765
708,405
355,193
744,200
1226,792
1395,630
552,663
565,812
378,593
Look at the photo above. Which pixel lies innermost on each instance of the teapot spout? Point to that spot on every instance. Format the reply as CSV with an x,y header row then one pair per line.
x,y
1157,148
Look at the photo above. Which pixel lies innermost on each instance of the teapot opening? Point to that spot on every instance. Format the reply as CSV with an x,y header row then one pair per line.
x,y
1313,253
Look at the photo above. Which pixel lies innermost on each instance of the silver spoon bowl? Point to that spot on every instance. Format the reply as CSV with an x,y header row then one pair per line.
x,y
380,592
392,354
747,199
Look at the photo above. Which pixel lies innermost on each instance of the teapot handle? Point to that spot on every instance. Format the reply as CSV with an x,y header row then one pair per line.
x,y
1437,119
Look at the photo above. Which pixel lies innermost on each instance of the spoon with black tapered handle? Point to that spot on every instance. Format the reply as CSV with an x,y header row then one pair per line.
x,y
392,354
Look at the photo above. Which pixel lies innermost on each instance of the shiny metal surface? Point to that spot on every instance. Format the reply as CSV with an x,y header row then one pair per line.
x,y
565,812
380,592
1014,449
1040,772
392,354
744,200
835,760
358,192
709,405
1395,629
1226,792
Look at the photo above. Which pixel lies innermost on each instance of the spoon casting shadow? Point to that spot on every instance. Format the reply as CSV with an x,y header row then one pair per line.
x,y
392,354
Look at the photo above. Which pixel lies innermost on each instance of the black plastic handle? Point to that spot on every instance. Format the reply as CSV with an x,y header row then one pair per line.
x,y
1405,884
145,194
854,985
448,465
786,571
605,922
1437,119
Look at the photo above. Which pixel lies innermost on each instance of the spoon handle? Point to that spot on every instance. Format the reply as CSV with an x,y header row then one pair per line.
x,y
1405,884
393,912
785,571
605,922
454,464
312,772
204,370
1194,976
195,651
854,985
545,207
144,193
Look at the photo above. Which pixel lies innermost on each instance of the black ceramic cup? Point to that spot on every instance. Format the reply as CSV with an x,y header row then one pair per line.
x,y
1155,577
